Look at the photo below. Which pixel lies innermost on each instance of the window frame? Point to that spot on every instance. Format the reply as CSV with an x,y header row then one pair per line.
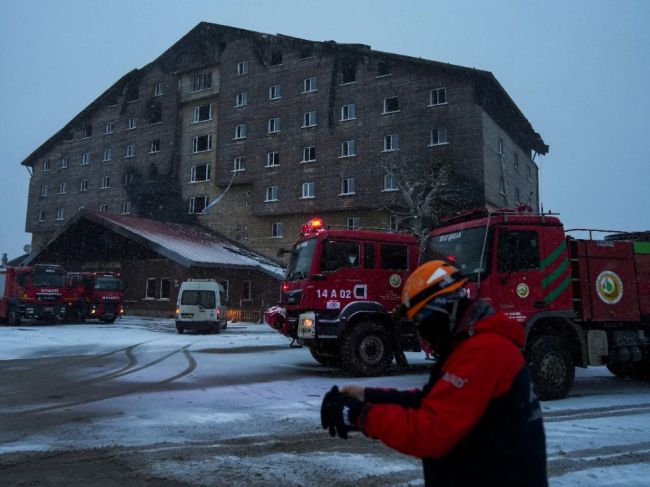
x,y
310,84
108,154
348,186
193,173
130,151
85,158
353,222
201,82
437,92
151,296
308,190
240,131
238,164
391,143
60,214
386,103
393,186
154,148
273,125
62,187
275,92
277,230
242,68
438,132
272,159
132,124
65,162
195,143
346,145
307,150
241,99
126,207
348,112
83,185
309,119
196,113
271,194
193,206
105,182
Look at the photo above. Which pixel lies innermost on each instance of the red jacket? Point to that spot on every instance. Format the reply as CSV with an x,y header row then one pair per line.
x,y
479,404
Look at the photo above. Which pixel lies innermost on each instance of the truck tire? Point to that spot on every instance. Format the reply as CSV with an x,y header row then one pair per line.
x,y
323,358
551,367
13,316
109,321
366,350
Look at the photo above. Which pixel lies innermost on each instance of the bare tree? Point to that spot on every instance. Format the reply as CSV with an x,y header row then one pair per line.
x,y
429,190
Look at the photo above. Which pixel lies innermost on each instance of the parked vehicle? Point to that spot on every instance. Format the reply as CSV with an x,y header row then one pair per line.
x,y
338,294
34,292
201,306
582,301
95,295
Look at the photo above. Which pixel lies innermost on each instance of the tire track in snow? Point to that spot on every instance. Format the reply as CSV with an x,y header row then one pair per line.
x,y
192,364
595,413
590,458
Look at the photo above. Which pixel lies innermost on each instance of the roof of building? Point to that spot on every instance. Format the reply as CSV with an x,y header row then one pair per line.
x,y
188,245
186,54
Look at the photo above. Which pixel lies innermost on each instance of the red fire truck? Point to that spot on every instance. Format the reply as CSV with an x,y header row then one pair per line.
x,y
36,292
98,295
339,291
582,301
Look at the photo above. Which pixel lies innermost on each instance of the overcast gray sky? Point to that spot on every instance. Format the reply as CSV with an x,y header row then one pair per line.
x,y
579,70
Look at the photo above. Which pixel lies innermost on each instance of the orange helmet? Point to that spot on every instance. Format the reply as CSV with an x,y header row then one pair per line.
x,y
430,280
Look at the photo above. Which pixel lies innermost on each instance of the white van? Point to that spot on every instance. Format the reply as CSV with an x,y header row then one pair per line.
x,y
201,306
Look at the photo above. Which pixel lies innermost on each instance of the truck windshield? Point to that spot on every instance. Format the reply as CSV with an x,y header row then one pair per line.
x,y
107,284
48,277
301,258
463,249
205,299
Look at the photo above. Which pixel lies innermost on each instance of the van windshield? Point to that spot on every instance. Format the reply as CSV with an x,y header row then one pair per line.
x,y
205,299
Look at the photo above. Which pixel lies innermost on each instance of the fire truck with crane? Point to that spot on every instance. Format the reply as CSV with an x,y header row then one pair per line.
x,y
338,294
98,295
581,301
32,292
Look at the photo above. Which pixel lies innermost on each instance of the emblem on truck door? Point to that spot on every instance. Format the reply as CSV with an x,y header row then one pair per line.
x,y
395,280
609,287
523,290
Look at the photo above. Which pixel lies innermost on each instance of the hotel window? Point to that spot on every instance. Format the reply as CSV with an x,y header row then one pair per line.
x,y
308,190
126,207
85,158
108,129
240,131
202,143
348,74
390,184
348,148
383,68
133,123
202,113
517,196
275,92
391,104
83,185
437,96
309,84
272,159
88,131
276,57
165,287
241,100
308,153
200,173
198,204
309,119
273,125
393,224
46,165
499,146
44,190
155,146
438,136
41,216
158,90
391,143
65,162
347,186
530,174
238,164
201,82
353,223
130,150
108,154
62,188
271,193
348,112
106,182
103,208
242,68
277,230
60,214
515,160
247,291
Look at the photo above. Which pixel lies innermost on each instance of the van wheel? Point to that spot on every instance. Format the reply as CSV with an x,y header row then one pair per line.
x,y
551,366
366,350
180,330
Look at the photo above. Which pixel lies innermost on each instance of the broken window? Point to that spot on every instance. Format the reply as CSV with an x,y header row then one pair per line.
x,y
276,57
202,143
348,73
198,204
155,113
200,173
383,68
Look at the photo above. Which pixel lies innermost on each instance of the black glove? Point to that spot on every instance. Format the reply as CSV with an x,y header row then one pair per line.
x,y
339,413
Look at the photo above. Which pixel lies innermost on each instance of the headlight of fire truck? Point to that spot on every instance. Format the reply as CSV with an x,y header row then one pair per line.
x,y
307,325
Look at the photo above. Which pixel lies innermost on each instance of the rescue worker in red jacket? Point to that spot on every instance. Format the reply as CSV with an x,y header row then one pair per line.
x,y
477,421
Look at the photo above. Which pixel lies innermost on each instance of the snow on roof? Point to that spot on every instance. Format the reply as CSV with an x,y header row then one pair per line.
x,y
192,244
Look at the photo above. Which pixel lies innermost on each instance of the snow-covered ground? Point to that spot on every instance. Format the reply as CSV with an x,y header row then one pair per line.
x,y
138,385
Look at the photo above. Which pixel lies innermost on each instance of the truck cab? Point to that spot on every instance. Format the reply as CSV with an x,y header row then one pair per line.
x,y
339,291
95,295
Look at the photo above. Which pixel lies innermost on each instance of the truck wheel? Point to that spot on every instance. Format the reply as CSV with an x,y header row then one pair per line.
x,y
323,358
13,316
366,350
551,366
109,321
620,370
